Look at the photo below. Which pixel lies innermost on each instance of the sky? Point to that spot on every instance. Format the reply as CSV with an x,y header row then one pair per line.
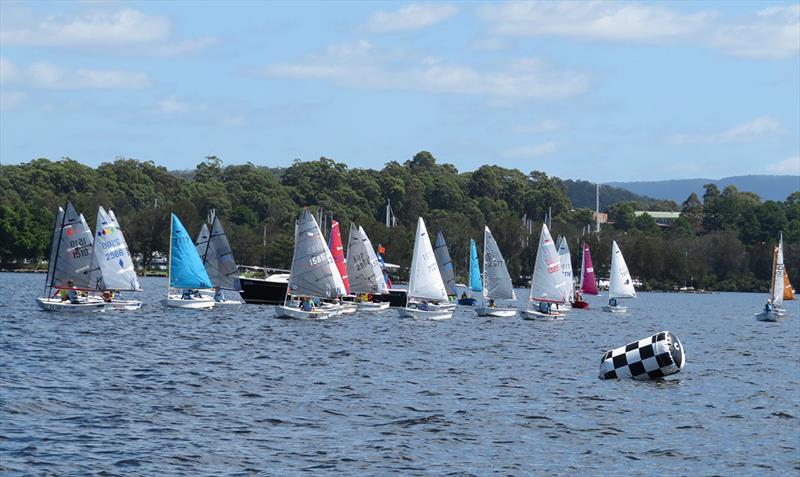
x,y
600,91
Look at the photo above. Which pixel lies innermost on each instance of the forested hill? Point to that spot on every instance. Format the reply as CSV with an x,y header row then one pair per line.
x,y
767,187
722,241
582,194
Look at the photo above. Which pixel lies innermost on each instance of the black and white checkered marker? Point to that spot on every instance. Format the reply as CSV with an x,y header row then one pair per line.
x,y
651,358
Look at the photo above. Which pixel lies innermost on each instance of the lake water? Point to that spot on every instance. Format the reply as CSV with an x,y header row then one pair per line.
x,y
234,391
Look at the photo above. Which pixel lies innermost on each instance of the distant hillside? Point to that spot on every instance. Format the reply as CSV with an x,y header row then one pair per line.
x,y
767,187
582,195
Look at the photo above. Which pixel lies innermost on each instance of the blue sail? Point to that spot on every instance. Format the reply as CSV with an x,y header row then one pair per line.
x,y
474,270
186,268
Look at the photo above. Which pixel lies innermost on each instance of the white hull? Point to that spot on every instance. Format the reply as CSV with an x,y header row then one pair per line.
x,y
369,306
530,314
129,305
425,314
615,309
294,313
768,316
495,312
195,303
442,306
205,294
55,304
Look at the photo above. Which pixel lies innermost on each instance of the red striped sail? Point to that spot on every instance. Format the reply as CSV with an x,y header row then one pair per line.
x,y
588,281
338,254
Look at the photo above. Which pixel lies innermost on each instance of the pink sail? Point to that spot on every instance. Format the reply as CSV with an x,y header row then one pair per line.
x,y
588,281
338,254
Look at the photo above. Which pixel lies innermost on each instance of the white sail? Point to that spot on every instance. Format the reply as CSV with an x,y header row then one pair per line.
x,y
425,281
547,283
445,264
777,276
217,256
314,272
112,265
363,268
620,283
74,257
566,262
496,279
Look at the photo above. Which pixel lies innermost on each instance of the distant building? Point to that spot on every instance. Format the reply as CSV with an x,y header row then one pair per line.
x,y
603,217
663,219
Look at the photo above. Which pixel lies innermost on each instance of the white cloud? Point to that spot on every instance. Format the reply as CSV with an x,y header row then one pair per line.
x,y
410,17
532,152
545,125
754,129
786,166
123,27
592,19
173,105
775,33
361,66
49,76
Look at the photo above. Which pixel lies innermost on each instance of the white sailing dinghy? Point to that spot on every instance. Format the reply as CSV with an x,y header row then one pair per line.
x,y
69,265
772,310
364,270
496,280
425,282
185,271
112,266
620,284
548,285
217,257
314,273
565,259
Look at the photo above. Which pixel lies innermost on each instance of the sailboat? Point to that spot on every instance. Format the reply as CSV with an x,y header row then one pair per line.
x,y
425,282
69,265
475,283
217,257
496,280
364,270
112,267
445,265
588,283
620,284
314,273
337,251
548,285
566,268
185,271
772,310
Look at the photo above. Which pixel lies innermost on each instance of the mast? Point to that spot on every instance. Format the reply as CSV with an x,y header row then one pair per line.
x,y
169,259
55,259
597,210
772,280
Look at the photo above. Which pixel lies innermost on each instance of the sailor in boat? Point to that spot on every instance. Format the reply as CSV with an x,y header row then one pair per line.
x,y
218,296
578,296
306,304
612,302
545,307
464,295
69,294
768,308
491,303
187,294
423,305
107,296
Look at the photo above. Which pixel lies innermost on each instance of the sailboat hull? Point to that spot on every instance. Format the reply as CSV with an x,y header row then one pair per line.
x,y
55,304
176,301
580,304
772,316
371,307
444,314
530,314
293,313
495,312
129,305
467,301
615,309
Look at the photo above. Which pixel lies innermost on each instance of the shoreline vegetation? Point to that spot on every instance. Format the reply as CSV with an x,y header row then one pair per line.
x,y
722,241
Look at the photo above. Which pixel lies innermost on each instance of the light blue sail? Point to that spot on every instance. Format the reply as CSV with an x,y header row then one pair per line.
x,y
474,270
186,268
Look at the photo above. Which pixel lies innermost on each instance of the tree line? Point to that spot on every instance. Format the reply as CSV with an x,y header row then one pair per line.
x,y
722,241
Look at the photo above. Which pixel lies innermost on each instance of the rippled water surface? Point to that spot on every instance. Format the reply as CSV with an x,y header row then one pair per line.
x,y
235,391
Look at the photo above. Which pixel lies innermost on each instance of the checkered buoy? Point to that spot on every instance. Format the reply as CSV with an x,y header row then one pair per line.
x,y
650,358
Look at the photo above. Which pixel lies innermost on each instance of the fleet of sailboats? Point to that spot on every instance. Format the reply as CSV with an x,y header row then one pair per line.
x,y
620,283
83,265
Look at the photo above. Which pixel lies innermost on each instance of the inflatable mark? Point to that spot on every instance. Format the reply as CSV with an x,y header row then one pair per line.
x,y
651,358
